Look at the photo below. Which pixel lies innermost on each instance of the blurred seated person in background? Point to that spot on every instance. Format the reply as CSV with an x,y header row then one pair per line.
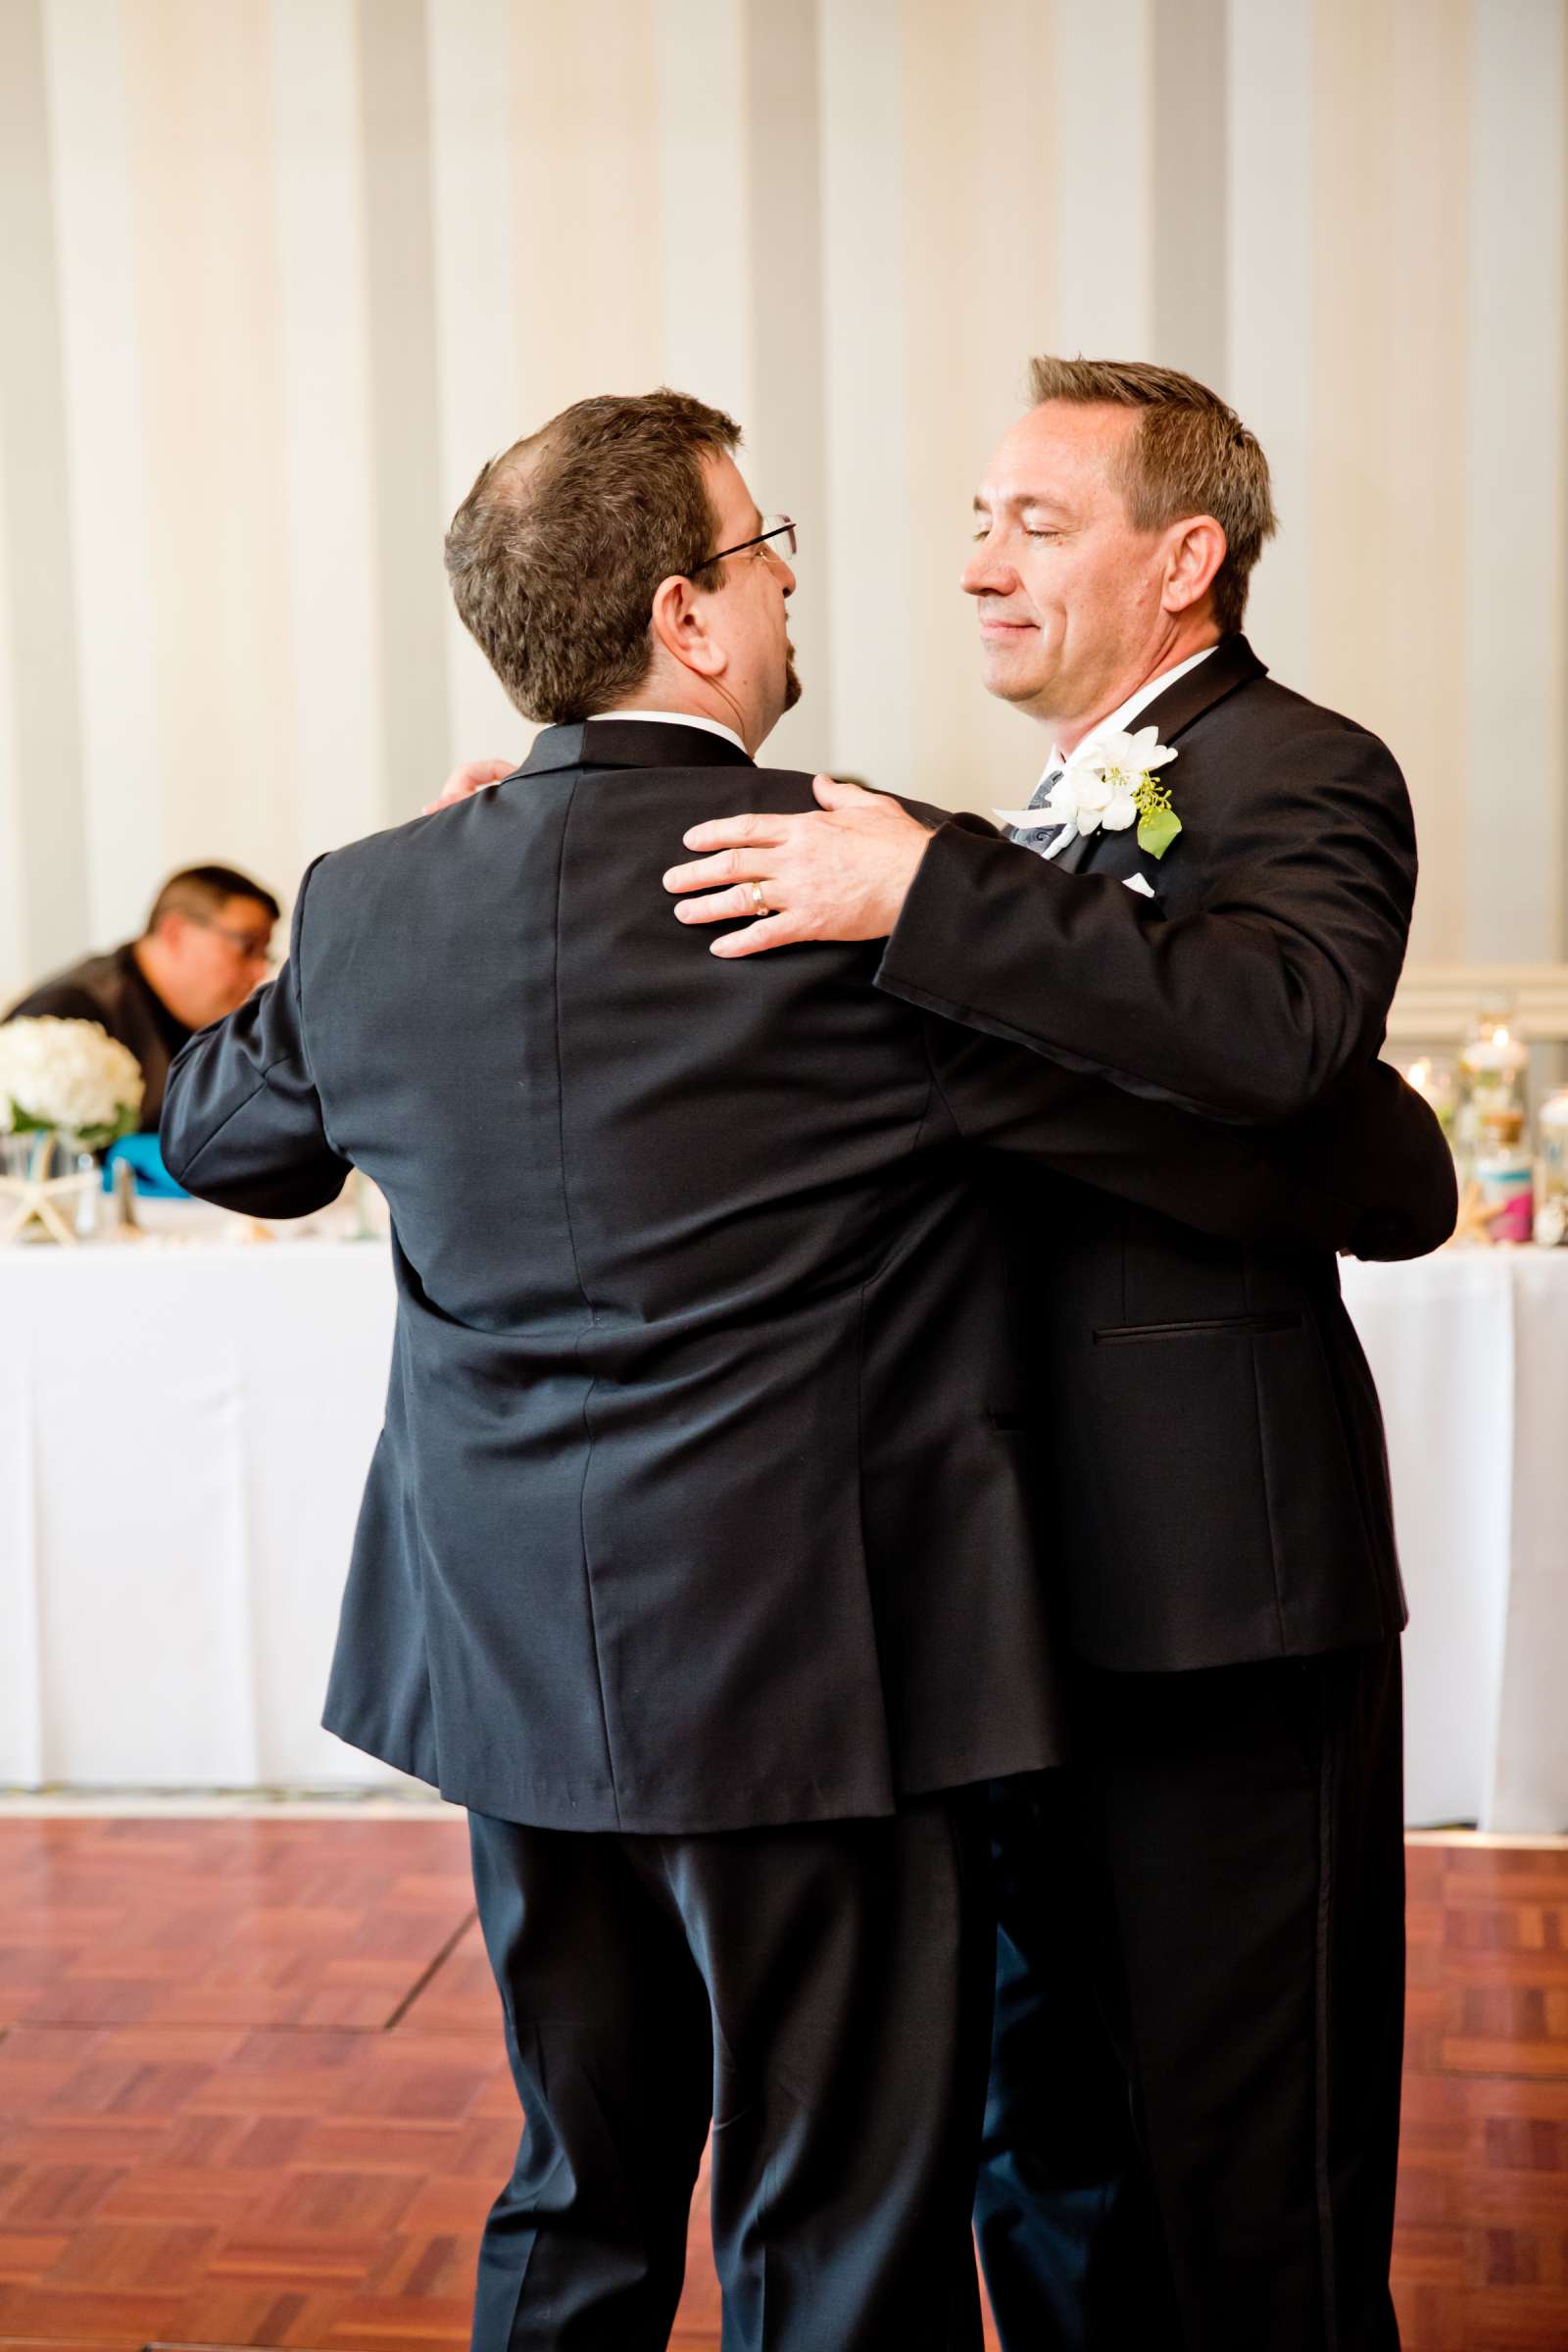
x,y
208,942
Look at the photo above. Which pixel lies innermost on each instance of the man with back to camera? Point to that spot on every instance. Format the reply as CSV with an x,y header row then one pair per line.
x,y
206,945
698,1557
1218,2170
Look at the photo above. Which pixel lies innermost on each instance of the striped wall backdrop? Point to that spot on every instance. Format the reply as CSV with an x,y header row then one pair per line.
x,y
276,276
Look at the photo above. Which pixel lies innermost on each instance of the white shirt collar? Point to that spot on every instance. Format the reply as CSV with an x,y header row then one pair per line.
x,y
1123,717
676,718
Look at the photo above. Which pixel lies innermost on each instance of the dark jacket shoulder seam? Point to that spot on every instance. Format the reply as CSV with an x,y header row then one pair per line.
x,y
207,1141
561,1058
576,1267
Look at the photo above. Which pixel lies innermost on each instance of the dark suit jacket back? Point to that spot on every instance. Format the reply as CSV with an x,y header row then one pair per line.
x,y
704,1499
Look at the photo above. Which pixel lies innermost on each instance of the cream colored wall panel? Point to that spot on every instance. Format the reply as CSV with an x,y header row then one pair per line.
x,y
588,235
1517,350
338,754
473,130
199,86
1354,576
108,507
872,536
1102,137
1189,199
980,303
409,517
282,272
1007,260
785,420
704,201
1427,714
40,648
1269,303
946,193
1440,1003
1013,314
16,968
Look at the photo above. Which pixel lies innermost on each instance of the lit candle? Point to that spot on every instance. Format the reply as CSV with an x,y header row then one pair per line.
x,y
1499,1050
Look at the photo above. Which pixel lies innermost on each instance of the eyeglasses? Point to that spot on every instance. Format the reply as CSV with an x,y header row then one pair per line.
x,y
774,526
251,945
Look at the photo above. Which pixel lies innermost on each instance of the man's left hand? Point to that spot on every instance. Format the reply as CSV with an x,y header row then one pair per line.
x,y
843,872
464,782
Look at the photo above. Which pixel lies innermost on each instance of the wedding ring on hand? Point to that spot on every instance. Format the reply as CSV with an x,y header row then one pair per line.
x,y
758,902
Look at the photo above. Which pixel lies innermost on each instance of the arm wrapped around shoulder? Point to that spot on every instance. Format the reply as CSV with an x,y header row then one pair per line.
x,y
1377,1145
1369,1173
1254,1006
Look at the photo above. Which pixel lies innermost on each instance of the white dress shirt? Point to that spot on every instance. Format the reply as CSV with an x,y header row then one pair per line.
x,y
1120,718
1125,713
684,718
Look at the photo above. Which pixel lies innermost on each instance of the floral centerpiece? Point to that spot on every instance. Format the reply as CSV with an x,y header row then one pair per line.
x,y
67,1088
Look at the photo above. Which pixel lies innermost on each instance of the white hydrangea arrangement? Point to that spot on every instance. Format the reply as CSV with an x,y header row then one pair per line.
x,y
68,1074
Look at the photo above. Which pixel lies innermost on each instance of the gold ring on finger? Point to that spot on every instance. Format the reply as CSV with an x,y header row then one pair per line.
x,y
758,903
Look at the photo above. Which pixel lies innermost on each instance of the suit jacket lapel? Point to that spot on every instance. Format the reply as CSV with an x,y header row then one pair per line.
x,y
1073,858
1231,664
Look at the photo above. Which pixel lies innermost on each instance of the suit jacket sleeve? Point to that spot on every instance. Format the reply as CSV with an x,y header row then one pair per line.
x,y
1253,1009
242,1122
1373,1176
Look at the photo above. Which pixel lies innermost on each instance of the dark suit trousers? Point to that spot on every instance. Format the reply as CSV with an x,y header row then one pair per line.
x,y
823,1994
1193,2128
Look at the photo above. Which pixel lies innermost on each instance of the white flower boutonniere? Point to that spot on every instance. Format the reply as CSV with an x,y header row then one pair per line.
x,y
1109,781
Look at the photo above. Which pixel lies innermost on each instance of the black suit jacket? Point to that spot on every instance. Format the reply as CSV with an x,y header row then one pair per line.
x,y
1219,1486
705,1495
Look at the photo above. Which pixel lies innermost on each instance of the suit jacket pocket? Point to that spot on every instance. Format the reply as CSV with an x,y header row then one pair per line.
x,y
1206,1513
1236,1326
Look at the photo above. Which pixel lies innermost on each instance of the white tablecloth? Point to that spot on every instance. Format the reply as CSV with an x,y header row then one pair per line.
x,y
183,1435
1470,1352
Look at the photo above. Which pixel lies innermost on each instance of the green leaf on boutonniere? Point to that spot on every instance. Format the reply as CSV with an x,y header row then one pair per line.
x,y
1156,832
1158,823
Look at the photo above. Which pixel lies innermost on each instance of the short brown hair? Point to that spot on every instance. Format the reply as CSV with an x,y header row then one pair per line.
x,y
204,890
1190,454
555,553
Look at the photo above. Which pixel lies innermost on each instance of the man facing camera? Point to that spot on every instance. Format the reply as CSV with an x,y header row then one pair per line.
x,y
207,943
700,1556
1194,2110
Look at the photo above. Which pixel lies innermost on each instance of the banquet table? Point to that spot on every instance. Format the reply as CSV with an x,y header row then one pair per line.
x,y
185,1431
186,1425
1470,1352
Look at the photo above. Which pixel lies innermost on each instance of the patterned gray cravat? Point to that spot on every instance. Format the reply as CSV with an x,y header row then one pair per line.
x,y
1040,838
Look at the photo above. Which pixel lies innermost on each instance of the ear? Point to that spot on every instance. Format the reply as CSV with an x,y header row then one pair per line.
x,y
1194,550
680,627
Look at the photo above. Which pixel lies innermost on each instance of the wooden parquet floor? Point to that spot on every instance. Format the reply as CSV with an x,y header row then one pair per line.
x,y
252,2091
